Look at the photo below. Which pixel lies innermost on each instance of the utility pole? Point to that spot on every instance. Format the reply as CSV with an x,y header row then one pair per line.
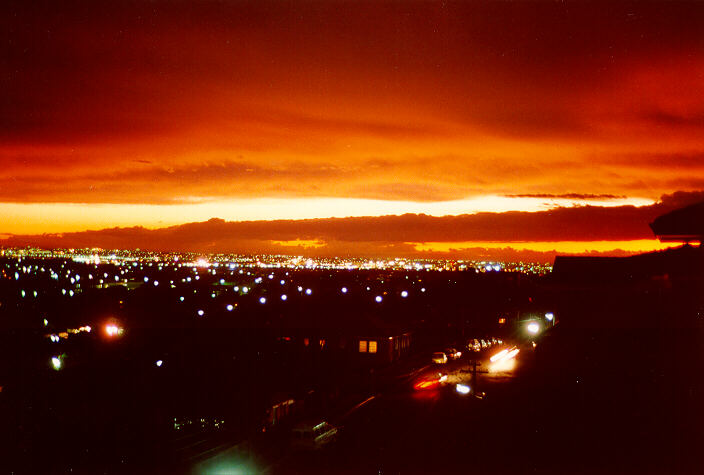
x,y
475,378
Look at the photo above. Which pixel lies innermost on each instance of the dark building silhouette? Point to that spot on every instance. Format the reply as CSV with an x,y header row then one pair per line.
x,y
660,289
682,225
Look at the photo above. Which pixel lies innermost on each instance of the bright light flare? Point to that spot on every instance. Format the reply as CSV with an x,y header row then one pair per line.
x,y
533,327
112,330
428,384
56,363
503,365
498,355
506,362
462,389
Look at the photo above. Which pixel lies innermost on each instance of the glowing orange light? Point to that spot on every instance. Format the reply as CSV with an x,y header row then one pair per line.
x,y
427,384
499,355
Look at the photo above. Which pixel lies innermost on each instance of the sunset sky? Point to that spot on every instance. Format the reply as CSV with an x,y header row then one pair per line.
x,y
157,114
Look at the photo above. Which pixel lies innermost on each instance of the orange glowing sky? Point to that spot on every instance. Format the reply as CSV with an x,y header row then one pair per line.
x,y
158,113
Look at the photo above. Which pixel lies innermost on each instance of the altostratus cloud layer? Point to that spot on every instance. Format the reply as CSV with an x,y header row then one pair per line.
x,y
174,103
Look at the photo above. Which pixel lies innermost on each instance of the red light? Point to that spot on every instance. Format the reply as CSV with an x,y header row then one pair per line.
x,y
428,384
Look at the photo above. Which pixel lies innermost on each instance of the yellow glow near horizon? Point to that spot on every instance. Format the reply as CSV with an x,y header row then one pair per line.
x,y
564,247
38,218
300,242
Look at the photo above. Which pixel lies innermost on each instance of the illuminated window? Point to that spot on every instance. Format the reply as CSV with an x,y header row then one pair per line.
x,y
362,346
502,320
372,346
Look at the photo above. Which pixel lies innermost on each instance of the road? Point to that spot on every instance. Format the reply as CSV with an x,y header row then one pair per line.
x,y
404,429
549,414
570,406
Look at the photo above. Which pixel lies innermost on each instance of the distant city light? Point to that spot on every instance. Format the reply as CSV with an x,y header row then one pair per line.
x,y
159,363
549,316
262,299
201,313
309,291
182,298
230,308
423,289
283,297
378,298
344,290
245,290
404,294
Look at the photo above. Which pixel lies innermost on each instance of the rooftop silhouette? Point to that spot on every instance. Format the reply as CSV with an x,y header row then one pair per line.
x,y
681,225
